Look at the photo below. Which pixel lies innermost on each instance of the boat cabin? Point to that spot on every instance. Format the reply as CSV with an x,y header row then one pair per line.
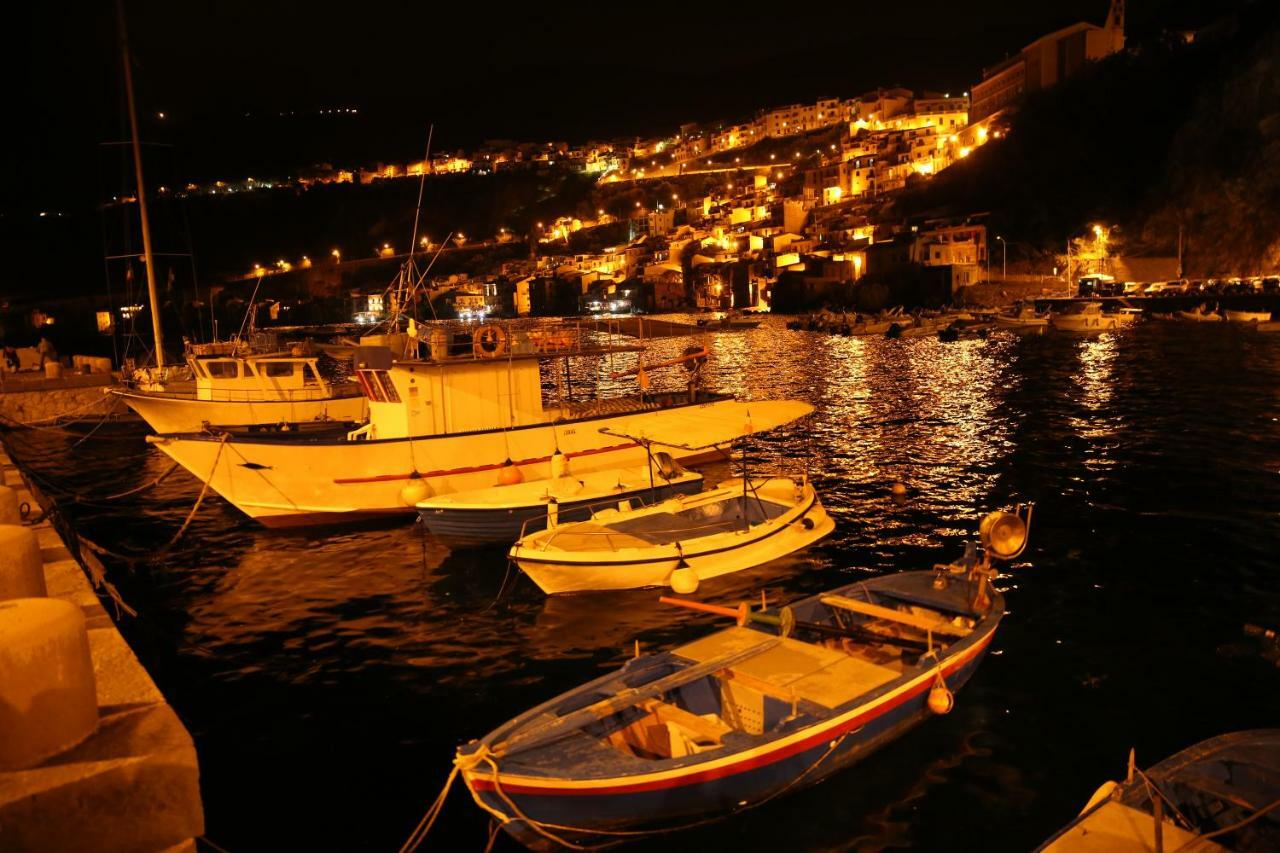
x,y
486,378
226,378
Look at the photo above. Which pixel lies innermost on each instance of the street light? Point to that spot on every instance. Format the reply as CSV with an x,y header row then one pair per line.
x,y
1004,258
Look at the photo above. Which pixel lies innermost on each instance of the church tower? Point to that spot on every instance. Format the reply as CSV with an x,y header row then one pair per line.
x,y
1114,26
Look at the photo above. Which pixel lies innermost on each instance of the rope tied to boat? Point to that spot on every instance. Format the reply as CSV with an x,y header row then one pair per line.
x,y
203,491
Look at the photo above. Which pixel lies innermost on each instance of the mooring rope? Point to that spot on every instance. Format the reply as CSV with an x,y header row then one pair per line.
x,y
203,491
157,481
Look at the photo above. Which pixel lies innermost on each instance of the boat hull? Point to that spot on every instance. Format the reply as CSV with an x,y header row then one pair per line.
x,y
633,568
481,528
1248,316
594,811
291,481
166,413
1085,324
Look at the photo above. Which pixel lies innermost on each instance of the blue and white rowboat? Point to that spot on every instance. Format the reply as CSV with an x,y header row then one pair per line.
x,y
736,718
499,515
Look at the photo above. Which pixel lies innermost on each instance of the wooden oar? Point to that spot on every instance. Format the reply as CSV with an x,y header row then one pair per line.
x,y
625,699
744,614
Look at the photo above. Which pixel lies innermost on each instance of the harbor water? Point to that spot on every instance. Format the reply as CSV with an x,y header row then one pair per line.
x,y
328,675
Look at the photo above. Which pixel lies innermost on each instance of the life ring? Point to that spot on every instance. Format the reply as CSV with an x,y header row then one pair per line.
x,y
489,341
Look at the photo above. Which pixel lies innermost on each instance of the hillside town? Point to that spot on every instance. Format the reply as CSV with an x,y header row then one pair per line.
x,y
802,215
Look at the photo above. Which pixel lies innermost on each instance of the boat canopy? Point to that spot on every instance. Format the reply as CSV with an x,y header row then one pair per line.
x,y
701,427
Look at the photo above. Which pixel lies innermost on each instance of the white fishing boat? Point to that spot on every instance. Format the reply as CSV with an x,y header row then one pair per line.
x,y
1025,317
235,388
497,515
678,542
450,423
1247,316
1086,317
1126,317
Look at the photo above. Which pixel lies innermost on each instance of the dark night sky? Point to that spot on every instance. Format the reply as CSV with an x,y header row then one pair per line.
x,y
477,72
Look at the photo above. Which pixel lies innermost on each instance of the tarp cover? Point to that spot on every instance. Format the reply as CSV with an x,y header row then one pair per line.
x,y
700,427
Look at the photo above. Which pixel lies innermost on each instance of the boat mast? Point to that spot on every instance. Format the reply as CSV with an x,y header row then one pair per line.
x,y
147,258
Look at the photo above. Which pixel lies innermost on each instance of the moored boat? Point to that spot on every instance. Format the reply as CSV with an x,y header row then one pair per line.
x,y
1247,316
237,388
1201,314
449,423
1086,317
1025,317
496,515
783,700
1221,794
679,542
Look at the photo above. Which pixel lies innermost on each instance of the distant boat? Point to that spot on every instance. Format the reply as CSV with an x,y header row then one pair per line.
x,y
497,515
783,700
1200,314
1025,317
1086,317
1221,794
1248,316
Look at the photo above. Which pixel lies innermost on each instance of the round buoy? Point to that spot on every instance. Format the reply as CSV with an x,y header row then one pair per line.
x,y
941,699
559,465
899,490
48,699
509,474
417,489
21,567
10,506
684,580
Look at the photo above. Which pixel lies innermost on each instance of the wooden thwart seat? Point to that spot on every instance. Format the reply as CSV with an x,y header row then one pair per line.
x,y
936,624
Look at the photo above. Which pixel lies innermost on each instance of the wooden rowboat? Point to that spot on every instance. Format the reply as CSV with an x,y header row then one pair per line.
x,y
782,700
682,540
1221,794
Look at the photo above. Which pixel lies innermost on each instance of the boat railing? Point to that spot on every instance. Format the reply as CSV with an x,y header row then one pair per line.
x,y
453,341
258,395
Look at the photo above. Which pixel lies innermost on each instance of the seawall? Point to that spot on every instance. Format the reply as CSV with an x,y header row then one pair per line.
x,y
134,783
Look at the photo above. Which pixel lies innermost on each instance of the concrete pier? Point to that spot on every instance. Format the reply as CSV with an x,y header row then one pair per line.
x,y
133,784
32,398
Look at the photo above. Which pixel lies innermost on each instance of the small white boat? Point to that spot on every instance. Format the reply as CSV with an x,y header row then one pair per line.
x,y
498,515
678,542
1202,314
1128,317
1086,317
1024,318
1248,316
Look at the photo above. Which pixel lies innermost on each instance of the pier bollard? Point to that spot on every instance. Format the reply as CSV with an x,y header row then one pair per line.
x,y
21,567
48,698
10,506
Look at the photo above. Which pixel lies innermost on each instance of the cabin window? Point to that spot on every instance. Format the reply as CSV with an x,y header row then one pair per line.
x,y
222,369
309,376
378,386
388,388
276,369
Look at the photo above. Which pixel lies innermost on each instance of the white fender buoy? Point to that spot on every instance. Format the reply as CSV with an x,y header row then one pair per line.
x,y
21,567
417,489
684,580
48,698
10,506
559,465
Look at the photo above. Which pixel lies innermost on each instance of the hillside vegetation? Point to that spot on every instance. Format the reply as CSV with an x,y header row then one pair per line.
x,y
1168,134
